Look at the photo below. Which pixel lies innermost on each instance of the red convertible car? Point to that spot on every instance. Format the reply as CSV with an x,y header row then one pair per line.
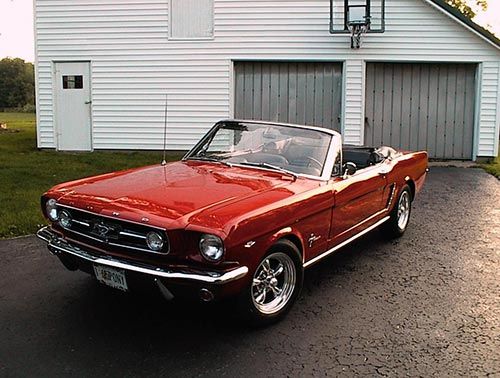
x,y
242,215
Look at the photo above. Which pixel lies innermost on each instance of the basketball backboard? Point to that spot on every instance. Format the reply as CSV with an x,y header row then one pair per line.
x,y
357,17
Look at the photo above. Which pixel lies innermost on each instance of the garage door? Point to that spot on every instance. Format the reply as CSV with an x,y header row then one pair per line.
x,y
303,93
421,107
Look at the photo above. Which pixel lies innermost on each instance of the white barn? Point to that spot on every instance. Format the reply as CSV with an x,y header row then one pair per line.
x,y
430,81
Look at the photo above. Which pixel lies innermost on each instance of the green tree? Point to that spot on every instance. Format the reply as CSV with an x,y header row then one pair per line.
x,y
17,83
464,6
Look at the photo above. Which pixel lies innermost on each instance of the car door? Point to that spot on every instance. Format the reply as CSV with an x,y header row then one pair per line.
x,y
357,199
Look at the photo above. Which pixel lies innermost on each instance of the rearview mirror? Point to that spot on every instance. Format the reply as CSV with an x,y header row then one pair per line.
x,y
349,169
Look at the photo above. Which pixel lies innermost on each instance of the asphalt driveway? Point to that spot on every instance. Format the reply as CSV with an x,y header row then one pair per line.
x,y
425,305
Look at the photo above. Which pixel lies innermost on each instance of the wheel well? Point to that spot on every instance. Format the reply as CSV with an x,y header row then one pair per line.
x,y
296,241
411,184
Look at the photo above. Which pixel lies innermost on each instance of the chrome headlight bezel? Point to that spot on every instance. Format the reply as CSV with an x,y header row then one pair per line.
x,y
51,210
155,241
211,247
65,219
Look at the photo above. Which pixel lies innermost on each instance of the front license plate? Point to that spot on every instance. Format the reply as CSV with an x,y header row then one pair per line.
x,y
111,277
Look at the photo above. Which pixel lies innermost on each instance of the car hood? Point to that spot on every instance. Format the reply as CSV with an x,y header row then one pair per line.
x,y
171,195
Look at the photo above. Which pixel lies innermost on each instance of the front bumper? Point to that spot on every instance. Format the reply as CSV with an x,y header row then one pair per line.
x,y
60,247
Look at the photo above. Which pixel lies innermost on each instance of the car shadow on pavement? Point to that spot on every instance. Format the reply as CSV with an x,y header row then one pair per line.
x,y
144,312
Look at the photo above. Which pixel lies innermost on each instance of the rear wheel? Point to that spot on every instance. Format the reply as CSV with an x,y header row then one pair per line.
x,y
396,226
275,285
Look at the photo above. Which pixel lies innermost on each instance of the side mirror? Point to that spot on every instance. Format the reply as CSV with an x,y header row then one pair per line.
x,y
349,169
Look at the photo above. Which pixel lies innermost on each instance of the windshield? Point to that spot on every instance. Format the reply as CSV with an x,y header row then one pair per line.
x,y
289,149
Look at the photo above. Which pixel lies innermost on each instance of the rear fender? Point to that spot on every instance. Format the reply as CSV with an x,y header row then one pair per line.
x,y
408,169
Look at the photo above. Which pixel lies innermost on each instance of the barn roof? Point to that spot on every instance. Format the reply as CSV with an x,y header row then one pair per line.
x,y
454,12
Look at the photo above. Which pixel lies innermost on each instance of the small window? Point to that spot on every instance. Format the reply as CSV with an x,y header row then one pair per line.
x,y
191,19
72,82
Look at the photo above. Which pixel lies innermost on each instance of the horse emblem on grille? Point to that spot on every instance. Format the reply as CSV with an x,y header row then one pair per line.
x,y
101,229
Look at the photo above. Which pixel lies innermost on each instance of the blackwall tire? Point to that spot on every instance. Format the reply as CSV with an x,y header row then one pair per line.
x,y
400,215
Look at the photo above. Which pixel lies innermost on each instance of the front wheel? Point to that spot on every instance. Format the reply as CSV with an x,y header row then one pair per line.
x,y
275,285
399,216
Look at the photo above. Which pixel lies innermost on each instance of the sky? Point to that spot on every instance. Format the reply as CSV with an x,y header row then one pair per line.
x,y
16,26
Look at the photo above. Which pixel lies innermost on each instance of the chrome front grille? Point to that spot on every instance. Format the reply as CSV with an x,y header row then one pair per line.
x,y
111,231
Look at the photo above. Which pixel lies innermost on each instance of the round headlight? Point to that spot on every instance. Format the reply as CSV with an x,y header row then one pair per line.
x,y
51,209
65,219
211,247
154,241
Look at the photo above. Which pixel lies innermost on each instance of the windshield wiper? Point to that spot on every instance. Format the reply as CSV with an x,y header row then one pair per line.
x,y
270,166
205,158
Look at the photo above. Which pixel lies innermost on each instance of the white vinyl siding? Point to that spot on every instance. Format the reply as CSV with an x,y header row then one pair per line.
x,y
488,110
134,62
191,19
354,102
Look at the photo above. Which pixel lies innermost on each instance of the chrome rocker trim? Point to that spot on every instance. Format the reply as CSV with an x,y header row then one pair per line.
x,y
351,239
57,246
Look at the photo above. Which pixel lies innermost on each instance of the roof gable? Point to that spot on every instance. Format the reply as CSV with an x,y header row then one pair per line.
x,y
461,18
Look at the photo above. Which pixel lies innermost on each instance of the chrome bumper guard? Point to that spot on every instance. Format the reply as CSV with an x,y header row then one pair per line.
x,y
58,246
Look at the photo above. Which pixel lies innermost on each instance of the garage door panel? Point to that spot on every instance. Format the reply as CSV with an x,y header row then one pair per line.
x,y
300,114
273,94
283,93
337,97
441,106
249,84
292,93
433,108
451,111
257,86
406,103
458,141
266,93
305,93
423,118
469,114
319,94
328,96
309,112
421,106
415,104
375,124
392,105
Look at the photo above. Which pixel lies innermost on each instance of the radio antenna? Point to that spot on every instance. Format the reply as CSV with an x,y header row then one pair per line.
x,y
164,161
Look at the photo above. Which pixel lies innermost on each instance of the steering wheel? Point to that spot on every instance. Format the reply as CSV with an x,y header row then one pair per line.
x,y
312,162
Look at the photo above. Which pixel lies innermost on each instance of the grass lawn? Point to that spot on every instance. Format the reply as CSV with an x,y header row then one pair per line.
x,y
25,172
493,167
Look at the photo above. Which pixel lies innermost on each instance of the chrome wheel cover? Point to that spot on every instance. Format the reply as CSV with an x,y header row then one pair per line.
x,y
403,210
273,283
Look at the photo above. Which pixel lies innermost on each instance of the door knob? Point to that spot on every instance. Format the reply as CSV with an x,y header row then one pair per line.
x,y
88,102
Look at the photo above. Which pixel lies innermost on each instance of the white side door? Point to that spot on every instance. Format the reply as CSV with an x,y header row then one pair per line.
x,y
73,106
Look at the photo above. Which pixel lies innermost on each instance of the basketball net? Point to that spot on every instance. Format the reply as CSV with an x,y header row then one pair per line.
x,y
357,32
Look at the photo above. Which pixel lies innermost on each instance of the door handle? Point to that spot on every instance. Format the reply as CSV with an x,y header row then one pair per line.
x,y
88,102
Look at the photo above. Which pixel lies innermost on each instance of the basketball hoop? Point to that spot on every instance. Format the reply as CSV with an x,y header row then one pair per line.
x,y
357,31
358,22
357,18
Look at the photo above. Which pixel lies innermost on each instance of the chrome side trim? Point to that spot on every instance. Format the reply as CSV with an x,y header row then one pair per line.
x,y
58,245
344,243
